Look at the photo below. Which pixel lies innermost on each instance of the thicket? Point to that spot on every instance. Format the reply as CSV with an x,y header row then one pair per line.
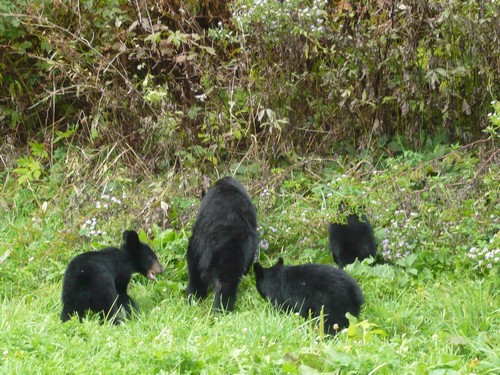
x,y
204,81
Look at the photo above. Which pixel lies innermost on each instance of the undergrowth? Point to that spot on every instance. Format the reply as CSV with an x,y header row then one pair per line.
x,y
434,310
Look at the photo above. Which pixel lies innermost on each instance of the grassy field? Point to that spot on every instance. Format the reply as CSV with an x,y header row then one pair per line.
x,y
436,310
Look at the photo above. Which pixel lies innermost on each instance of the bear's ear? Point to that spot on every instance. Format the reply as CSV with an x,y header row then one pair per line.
x,y
130,238
280,262
257,268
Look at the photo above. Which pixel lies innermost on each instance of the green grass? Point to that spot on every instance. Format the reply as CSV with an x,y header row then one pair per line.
x,y
437,311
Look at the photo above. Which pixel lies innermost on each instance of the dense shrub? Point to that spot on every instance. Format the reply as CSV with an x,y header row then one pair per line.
x,y
208,80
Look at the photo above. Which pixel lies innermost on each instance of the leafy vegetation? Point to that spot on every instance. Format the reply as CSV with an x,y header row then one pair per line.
x,y
205,82
434,311
119,114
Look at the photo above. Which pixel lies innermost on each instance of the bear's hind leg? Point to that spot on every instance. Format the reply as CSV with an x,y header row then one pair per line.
x,y
196,288
225,295
66,314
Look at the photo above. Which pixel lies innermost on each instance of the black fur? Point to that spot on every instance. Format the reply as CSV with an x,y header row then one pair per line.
x,y
98,280
352,240
223,243
308,288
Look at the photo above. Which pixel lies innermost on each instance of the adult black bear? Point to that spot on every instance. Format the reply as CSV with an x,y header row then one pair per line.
x,y
309,288
223,244
98,280
352,240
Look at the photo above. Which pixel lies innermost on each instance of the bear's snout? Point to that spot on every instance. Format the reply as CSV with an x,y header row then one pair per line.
x,y
156,268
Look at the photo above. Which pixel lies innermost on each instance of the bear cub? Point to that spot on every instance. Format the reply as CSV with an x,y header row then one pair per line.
x,y
223,243
308,288
352,240
98,280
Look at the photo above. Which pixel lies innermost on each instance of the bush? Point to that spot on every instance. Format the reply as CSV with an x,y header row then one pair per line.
x,y
203,82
